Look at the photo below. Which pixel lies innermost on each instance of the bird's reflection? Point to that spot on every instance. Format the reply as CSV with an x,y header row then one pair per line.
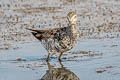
x,y
58,73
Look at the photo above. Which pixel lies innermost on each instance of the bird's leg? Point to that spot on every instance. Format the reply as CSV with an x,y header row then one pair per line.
x,y
61,64
59,58
47,59
49,65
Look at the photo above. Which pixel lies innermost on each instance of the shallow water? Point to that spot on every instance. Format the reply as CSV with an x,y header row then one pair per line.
x,y
90,59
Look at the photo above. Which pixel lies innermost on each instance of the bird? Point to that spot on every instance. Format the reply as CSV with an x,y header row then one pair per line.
x,y
59,40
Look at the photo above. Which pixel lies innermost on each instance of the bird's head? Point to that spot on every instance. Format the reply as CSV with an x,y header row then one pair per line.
x,y
72,18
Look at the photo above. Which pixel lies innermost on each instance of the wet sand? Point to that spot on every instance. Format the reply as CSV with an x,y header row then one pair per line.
x,y
96,59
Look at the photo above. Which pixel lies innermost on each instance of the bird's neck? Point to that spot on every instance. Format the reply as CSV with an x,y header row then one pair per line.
x,y
73,26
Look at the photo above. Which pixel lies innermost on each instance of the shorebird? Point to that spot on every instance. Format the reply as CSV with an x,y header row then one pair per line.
x,y
59,40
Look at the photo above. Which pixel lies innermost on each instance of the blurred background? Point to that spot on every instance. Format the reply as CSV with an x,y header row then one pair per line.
x,y
96,18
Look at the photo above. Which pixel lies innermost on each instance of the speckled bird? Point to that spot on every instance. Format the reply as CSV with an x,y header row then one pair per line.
x,y
59,40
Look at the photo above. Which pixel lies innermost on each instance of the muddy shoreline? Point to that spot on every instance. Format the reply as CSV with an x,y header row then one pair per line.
x,y
95,57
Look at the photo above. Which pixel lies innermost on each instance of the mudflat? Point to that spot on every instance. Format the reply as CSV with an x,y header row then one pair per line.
x,y
95,57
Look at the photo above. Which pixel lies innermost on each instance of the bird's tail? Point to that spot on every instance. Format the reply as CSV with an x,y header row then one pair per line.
x,y
32,30
36,33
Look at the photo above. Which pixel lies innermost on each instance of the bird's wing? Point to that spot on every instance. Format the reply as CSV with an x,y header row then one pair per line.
x,y
56,33
44,34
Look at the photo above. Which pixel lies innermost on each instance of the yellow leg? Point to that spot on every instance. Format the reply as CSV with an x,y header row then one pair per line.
x,y
61,63
47,59
60,56
48,64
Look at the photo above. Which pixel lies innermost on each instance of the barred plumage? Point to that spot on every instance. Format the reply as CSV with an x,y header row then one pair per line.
x,y
59,39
